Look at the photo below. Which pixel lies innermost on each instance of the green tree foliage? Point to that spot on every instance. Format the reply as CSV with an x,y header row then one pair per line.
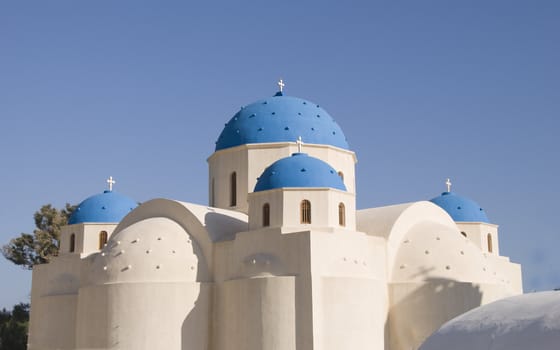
x,y
13,327
28,250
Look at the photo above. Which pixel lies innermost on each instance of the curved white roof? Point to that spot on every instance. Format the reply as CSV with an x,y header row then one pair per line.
x,y
529,321
164,241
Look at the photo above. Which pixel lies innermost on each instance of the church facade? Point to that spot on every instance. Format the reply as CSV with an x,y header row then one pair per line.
x,y
280,258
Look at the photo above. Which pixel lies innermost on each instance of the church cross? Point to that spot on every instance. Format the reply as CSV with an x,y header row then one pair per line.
x,y
111,182
281,85
448,183
299,144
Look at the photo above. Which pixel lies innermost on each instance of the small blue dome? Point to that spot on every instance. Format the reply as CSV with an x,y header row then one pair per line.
x,y
299,170
281,119
108,206
460,208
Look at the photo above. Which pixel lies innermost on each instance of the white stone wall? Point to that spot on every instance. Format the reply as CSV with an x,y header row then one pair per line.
x,y
181,276
159,315
333,280
285,208
349,290
324,209
477,232
53,322
54,292
87,237
256,314
257,200
419,309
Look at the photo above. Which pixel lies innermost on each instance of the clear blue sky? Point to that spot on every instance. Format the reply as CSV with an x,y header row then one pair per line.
x,y
424,90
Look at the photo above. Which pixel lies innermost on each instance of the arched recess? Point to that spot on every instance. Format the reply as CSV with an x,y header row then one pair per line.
x,y
489,239
394,222
177,212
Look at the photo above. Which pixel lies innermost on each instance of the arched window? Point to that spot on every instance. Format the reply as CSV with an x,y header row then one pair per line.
x,y
233,189
305,212
464,233
266,214
341,214
341,174
489,243
102,239
72,243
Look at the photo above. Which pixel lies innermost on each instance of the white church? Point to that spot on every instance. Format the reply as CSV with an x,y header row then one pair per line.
x,y
279,259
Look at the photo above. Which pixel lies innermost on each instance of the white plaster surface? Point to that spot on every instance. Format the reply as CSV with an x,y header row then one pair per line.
x,y
529,321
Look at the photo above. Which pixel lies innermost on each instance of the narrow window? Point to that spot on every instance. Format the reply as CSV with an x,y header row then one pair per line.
x,y
266,214
490,243
341,174
102,239
464,233
233,188
72,243
305,212
212,194
341,214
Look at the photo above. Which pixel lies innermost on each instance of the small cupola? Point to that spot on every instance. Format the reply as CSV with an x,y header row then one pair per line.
x,y
108,206
299,170
93,221
470,218
461,209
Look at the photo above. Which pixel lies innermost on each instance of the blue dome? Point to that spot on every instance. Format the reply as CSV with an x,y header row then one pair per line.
x,y
104,207
299,170
460,208
281,119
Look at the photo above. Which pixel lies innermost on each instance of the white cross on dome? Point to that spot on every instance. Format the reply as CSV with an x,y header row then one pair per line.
x,y
111,182
281,85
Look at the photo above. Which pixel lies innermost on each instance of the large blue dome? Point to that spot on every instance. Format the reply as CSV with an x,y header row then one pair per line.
x,y
108,206
460,208
299,170
281,119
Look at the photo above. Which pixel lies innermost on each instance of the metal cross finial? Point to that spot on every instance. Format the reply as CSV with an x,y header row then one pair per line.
x,y
111,182
299,144
281,85
448,183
